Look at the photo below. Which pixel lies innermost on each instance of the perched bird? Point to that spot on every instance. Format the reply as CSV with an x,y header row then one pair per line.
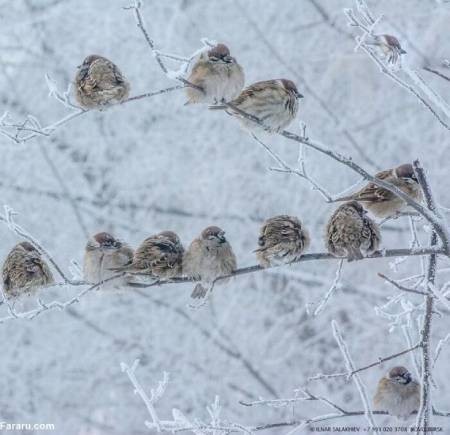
x,y
99,83
208,257
282,239
389,45
350,232
397,393
219,76
24,270
273,102
383,203
160,256
103,253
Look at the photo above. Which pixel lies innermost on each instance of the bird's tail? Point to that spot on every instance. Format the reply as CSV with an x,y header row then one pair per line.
x,y
199,292
354,254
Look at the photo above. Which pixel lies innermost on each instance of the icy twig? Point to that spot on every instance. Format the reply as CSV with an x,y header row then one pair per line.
x,y
53,305
439,348
351,368
399,286
438,73
32,126
334,286
423,421
136,7
8,219
348,374
366,24
155,394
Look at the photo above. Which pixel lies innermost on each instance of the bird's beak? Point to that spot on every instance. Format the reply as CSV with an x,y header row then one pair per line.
x,y
403,51
299,95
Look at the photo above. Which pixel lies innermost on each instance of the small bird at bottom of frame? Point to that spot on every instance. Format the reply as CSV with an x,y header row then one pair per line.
x,y
398,393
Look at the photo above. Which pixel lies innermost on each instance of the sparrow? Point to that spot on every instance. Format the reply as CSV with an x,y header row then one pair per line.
x,y
104,252
208,257
350,232
24,270
273,102
99,83
218,74
160,256
389,45
381,202
282,239
397,393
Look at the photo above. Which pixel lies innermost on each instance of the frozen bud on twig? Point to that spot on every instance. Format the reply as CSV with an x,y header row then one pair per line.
x,y
216,76
380,201
24,271
273,104
350,232
99,83
208,257
282,239
397,393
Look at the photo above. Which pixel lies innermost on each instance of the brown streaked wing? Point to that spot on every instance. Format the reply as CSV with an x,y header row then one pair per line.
x,y
253,89
374,193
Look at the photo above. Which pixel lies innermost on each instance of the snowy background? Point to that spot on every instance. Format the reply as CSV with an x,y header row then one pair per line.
x,y
155,164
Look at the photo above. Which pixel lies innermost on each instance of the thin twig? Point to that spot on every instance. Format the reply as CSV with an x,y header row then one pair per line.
x,y
351,367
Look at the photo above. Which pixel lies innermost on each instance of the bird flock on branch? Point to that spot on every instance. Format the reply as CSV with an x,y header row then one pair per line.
x,y
216,79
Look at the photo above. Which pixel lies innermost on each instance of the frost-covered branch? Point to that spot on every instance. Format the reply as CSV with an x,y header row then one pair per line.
x,y
179,422
357,379
364,21
300,171
136,8
54,305
436,72
437,222
320,305
31,127
305,257
155,394
336,118
423,421
401,287
8,219
350,373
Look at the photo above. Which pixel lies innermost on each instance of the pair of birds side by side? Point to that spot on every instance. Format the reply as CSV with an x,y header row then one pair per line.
x,y
350,233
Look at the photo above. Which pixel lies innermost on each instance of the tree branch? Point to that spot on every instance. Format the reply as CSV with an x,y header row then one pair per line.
x,y
305,257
